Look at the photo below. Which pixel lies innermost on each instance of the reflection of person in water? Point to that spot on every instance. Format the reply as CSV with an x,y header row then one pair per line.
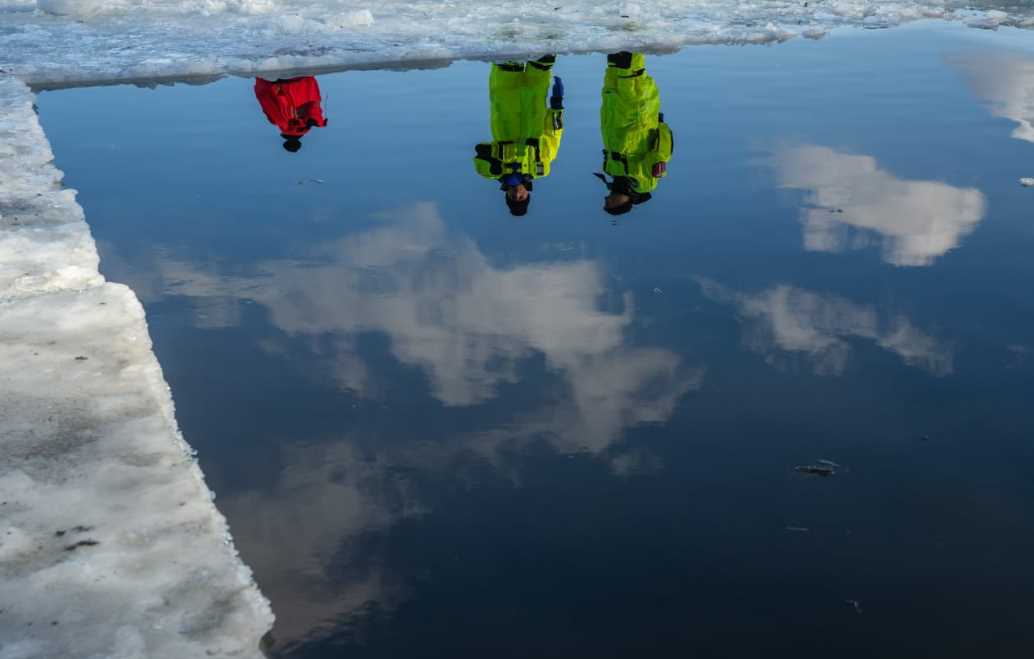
x,y
291,105
525,132
637,144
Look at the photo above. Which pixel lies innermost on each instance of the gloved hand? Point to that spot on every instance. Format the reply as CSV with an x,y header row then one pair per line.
x,y
556,101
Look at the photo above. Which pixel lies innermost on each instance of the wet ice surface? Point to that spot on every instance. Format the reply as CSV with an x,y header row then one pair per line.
x,y
62,41
439,431
110,544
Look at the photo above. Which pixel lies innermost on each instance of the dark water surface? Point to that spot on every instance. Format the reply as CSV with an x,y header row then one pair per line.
x,y
439,431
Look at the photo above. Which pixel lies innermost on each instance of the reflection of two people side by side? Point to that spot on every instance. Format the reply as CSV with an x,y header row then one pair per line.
x,y
292,105
526,132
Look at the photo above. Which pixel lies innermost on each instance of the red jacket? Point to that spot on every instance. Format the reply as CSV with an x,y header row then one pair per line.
x,y
292,105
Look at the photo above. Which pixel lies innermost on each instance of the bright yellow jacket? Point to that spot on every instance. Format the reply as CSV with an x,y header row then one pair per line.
x,y
635,136
525,131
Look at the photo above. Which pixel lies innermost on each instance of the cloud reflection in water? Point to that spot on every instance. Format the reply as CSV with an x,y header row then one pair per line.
x,y
1006,82
462,320
849,198
466,323
785,320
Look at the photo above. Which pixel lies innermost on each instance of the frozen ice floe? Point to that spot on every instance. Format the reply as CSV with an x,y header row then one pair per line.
x,y
110,544
64,41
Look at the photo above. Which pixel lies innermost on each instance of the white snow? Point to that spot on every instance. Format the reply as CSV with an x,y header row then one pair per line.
x,y
110,544
62,41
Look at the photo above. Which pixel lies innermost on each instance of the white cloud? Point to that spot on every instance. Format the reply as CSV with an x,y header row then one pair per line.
x,y
850,200
444,306
1006,83
462,320
466,323
784,320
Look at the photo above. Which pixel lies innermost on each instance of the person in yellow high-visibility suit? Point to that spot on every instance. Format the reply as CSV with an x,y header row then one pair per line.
x,y
637,144
526,132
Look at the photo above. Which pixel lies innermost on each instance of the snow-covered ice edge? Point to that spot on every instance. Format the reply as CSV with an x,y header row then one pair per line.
x,y
59,42
110,542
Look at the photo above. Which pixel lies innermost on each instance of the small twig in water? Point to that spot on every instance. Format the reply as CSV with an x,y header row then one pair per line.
x,y
815,470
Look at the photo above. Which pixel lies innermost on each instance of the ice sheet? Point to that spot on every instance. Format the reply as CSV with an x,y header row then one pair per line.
x,y
60,41
110,544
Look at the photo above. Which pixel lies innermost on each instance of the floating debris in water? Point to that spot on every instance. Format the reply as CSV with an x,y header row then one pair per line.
x,y
828,463
657,291
816,470
798,529
856,604
1027,182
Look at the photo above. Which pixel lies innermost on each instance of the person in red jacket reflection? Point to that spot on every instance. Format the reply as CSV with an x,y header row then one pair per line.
x,y
292,105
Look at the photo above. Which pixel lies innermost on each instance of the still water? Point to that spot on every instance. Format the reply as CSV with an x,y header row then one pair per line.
x,y
441,430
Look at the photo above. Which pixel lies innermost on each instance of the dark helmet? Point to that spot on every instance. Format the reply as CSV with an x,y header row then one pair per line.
x,y
619,210
292,144
623,185
518,208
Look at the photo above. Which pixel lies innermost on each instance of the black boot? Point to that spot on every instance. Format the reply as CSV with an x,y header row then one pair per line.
x,y
622,60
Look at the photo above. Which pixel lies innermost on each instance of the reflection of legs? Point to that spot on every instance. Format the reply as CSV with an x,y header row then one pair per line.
x,y
504,85
631,102
537,77
517,94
